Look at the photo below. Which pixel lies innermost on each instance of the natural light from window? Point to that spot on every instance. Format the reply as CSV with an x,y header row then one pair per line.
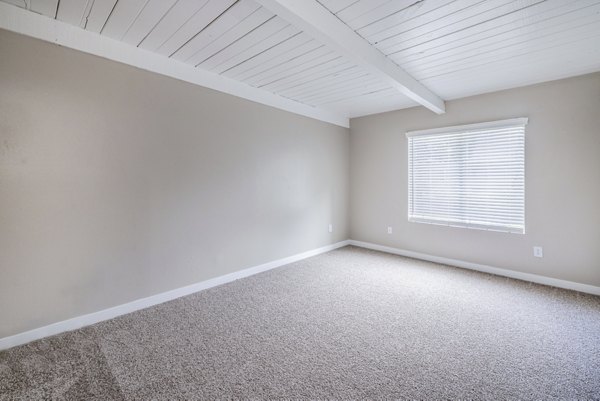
x,y
469,176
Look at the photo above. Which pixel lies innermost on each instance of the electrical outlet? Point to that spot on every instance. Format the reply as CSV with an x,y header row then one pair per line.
x,y
390,230
330,228
538,252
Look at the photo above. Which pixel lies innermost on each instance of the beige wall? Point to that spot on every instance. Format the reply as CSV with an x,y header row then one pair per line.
x,y
562,185
117,184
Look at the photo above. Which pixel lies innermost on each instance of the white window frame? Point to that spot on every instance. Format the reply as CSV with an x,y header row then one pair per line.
x,y
465,129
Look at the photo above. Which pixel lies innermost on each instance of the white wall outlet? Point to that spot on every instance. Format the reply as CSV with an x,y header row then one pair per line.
x,y
330,228
538,252
390,230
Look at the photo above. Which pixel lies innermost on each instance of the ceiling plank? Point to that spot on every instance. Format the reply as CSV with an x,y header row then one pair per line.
x,y
287,49
192,27
72,11
176,18
243,52
292,66
99,14
535,18
44,7
37,26
317,21
148,18
543,34
220,26
309,76
231,36
122,17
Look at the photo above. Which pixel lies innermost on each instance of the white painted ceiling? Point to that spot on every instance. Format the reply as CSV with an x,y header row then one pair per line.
x,y
455,48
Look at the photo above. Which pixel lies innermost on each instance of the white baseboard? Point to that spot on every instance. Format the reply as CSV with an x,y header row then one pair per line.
x,y
534,278
95,317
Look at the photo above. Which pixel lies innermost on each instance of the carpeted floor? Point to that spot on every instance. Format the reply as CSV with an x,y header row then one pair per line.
x,y
349,324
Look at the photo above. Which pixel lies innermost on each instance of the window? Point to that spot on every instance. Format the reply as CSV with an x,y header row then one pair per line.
x,y
469,176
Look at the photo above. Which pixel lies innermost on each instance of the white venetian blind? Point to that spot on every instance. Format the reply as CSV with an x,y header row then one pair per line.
x,y
469,176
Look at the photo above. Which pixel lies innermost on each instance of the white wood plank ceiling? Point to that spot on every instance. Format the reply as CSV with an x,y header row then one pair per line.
x,y
453,48
459,48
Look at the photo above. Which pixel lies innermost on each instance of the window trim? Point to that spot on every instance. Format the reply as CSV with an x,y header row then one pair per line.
x,y
466,129
469,127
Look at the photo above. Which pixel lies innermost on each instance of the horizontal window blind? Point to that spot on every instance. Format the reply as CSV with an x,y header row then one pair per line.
x,y
469,176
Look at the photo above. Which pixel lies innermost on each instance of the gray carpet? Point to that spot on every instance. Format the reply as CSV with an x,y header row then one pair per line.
x,y
349,324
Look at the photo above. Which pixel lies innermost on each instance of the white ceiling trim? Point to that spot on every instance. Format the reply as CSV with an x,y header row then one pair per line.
x,y
41,27
320,23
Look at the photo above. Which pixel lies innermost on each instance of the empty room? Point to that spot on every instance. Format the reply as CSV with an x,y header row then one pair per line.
x,y
299,199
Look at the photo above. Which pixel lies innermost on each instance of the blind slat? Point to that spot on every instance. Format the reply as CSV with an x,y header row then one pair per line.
x,y
470,178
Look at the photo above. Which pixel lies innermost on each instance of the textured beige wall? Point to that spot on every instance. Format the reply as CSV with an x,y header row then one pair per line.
x,y
562,184
117,184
